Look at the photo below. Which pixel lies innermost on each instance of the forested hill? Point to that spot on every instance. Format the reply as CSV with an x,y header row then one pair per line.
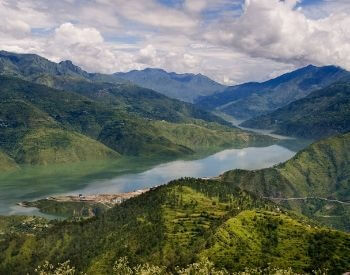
x,y
323,113
250,100
185,220
42,125
321,173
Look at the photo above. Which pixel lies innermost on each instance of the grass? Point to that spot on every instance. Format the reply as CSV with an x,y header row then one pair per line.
x,y
6,163
320,170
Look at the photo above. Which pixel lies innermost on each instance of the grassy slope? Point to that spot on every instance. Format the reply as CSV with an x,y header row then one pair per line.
x,y
321,170
31,136
175,225
143,102
29,110
203,136
322,113
45,146
99,87
259,238
6,163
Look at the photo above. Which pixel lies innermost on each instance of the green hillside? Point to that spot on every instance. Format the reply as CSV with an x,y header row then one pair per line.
x,y
176,225
254,99
6,163
320,173
323,113
108,89
201,136
190,219
42,125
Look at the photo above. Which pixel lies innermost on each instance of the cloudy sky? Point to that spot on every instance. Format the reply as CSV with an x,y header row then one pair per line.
x,y
231,41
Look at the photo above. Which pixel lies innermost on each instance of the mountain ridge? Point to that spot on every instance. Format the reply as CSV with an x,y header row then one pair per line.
x,y
186,87
252,99
322,113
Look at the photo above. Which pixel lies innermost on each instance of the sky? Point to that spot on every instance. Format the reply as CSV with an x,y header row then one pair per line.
x,y
231,41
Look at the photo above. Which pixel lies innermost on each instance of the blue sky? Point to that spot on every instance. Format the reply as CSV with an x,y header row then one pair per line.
x,y
231,41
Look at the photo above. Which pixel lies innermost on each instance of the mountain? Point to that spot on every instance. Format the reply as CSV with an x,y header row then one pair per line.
x,y
320,173
108,89
250,100
226,220
42,125
323,113
186,87
31,66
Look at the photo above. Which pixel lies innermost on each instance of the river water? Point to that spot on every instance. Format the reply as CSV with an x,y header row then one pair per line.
x,y
129,175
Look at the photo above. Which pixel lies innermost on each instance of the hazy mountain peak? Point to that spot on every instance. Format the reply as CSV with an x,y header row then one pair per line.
x,y
186,86
249,100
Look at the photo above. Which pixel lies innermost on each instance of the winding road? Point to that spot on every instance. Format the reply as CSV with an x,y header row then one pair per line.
x,y
306,198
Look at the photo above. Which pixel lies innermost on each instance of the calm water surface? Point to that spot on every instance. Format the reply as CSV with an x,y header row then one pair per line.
x,y
115,177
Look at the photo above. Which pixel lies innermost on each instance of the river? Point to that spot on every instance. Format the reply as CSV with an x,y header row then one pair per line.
x,y
128,175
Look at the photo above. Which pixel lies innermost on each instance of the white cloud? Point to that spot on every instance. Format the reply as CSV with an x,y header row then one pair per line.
x,y
68,34
275,30
269,38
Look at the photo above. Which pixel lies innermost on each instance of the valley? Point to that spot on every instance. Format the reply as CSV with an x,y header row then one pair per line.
x,y
104,173
125,175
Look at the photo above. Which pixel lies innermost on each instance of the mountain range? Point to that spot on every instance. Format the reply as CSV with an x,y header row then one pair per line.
x,y
292,217
253,99
322,113
186,87
58,113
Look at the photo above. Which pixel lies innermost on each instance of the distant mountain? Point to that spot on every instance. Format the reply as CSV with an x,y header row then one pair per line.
x,y
323,113
32,66
186,87
107,89
190,219
254,99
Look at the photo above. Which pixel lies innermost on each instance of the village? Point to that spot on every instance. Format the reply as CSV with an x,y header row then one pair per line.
x,y
106,199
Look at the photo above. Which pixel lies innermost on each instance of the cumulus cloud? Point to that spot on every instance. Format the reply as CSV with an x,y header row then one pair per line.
x,y
231,41
68,34
279,31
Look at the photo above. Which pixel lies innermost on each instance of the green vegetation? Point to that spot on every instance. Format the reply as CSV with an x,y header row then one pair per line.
x,y
6,163
74,210
204,267
253,99
187,220
320,171
201,136
22,225
75,117
323,113
177,225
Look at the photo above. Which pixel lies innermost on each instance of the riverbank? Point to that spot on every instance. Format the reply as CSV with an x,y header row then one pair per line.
x,y
80,206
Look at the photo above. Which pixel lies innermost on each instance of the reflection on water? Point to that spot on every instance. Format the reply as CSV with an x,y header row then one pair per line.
x,y
248,158
114,177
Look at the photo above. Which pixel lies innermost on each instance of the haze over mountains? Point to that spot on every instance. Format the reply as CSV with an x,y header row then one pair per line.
x,y
322,113
53,113
253,99
58,113
123,152
186,87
